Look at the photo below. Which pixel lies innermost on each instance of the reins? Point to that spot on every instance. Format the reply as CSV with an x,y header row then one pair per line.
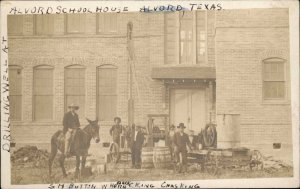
x,y
90,135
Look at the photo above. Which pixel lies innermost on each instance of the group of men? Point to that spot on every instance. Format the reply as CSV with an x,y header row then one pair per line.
x,y
178,143
178,140
136,140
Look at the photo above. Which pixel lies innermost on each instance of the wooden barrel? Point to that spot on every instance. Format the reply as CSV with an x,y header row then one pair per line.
x,y
147,157
162,158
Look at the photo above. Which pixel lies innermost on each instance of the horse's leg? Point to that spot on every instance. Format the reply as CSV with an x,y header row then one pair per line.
x,y
77,166
62,164
52,156
83,160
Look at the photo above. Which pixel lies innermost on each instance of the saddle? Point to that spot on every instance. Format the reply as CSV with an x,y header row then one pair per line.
x,y
76,145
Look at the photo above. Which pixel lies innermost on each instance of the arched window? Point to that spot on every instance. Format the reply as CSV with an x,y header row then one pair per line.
x,y
274,84
43,93
106,92
15,92
75,87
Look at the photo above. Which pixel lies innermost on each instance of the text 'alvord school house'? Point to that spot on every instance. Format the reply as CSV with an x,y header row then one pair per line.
x,y
229,67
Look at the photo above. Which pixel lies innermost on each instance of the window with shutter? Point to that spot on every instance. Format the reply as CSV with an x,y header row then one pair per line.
x,y
44,24
75,23
274,84
43,93
75,88
15,92
15,24
107,92
107,23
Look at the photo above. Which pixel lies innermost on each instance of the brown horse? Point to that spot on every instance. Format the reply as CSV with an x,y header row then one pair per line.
x,y
79,146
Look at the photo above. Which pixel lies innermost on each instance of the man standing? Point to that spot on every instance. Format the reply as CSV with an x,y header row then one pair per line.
x,y
116,130
171,141
181,140
136,146
71,124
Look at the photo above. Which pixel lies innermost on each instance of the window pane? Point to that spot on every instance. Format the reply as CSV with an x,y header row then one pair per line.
x,y
107,93
43,93
186,38
43,81
44,24
75,88
15,81
201,36
43,106
107,81
15,24
75,81
15,92
274,71
107,107
274,89
75,23
107,22
15,107
280,90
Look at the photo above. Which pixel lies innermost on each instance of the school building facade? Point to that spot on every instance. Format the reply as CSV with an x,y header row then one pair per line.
x,y
229,67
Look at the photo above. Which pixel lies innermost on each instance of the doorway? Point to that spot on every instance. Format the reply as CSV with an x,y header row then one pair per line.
x,y
188,106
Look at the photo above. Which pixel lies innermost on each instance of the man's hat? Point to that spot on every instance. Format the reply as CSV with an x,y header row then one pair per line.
x,y
117,118
72,105
172,126
181,125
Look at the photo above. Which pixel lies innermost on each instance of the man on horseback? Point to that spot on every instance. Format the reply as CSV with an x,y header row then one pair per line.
x,y
71,124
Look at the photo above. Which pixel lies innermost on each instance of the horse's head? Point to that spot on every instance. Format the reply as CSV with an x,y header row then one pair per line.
x,y
94,129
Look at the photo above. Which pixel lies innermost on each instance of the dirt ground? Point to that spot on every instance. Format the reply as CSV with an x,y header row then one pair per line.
x,y
30,174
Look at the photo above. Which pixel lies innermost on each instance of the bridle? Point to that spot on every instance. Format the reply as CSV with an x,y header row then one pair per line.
x,y
88,134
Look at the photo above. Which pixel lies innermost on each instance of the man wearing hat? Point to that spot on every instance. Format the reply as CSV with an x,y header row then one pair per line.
x,y
70,123
137,141
116,130
181,140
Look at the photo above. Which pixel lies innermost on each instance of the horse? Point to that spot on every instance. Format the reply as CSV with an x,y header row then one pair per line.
x,y
79,146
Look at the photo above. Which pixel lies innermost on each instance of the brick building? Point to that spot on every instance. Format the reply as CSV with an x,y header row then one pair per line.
x,y
229,67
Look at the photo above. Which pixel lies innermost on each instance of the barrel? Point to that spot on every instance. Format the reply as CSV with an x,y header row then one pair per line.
x,y
162,158
147,157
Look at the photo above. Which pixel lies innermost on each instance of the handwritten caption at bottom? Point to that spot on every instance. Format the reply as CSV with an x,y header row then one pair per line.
x,y
125,185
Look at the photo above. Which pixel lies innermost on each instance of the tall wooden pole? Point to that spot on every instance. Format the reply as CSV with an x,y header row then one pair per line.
x,y
130,59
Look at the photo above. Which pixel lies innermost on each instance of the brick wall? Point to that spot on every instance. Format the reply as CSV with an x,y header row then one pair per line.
x,y
238,41
91,51
243,39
